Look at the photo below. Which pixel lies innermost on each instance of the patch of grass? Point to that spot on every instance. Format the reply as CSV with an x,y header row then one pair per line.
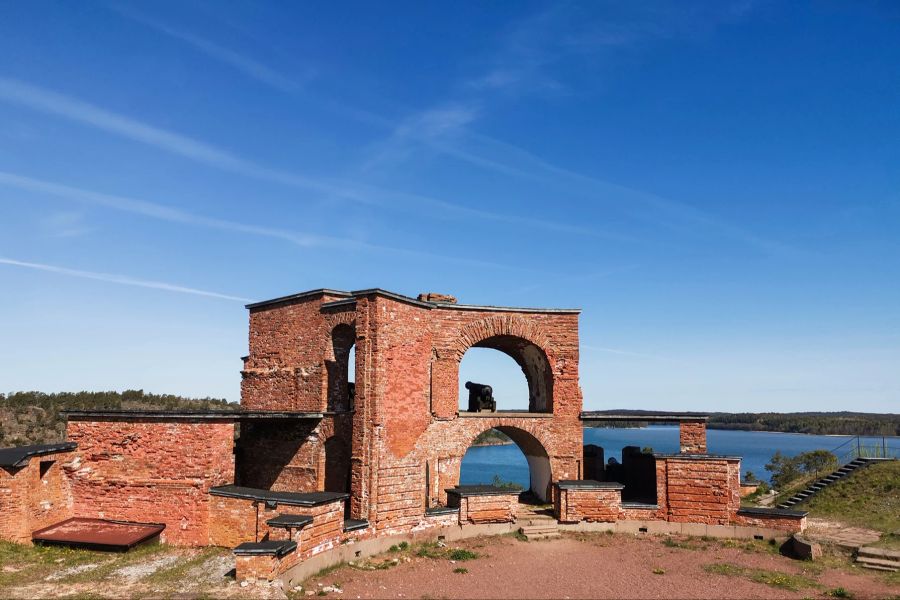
x,y
328,570
403,545
684,544
838,592
520,536
779,579
461,570
786,581
867,498
461,554
394,548
113,561
430,550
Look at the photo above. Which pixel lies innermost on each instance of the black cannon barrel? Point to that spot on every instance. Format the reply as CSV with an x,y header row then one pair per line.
x,y
481,388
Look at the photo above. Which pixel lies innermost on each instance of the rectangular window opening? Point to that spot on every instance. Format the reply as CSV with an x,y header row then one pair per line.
x,y
45,467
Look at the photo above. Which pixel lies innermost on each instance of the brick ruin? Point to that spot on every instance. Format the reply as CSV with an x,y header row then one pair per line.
x,y
313,462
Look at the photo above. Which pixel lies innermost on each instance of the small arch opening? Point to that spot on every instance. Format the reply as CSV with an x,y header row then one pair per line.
x,y
341,369
487,363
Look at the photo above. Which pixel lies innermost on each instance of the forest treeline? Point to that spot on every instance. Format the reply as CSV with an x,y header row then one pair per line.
x,y
817,423
34,417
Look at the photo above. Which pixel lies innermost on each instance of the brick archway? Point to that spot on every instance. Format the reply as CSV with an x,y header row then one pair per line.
x,y
522,341
528,441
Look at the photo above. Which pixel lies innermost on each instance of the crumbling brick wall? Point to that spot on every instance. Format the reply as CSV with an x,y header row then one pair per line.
x,y
150,470
30,499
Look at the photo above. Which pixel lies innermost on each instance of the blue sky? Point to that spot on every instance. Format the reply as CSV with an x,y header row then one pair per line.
x,y
714,184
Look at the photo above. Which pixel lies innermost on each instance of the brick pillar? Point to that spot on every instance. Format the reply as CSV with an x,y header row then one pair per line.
x,y
692,436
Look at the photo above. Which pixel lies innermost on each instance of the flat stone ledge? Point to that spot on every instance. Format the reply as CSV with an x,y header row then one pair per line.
x,y
355,524
650,417
772,512
589,484
506,414
640,505
464,491
288,521
20,455
187,415
268,548
436,511
276,498
687,456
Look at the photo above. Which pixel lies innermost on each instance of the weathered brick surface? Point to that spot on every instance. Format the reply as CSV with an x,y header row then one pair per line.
x,y
500,508
257,567
692,436
789,524
701,490
575,505
149,470
29,502
233,521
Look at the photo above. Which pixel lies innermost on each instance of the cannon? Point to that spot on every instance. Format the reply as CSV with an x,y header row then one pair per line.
x,y
481,397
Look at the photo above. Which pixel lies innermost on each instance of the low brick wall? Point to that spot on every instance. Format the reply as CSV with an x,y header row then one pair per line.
x,y
30,499
233,521
701,488
692,437
257,567
490,507
590,501
788,521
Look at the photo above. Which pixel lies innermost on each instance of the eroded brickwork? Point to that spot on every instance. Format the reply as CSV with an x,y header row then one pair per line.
x,y
592,505
692,436
34,496
149,470
702,490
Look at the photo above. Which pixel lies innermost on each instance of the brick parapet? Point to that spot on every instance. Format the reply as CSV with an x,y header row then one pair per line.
x,y
573,505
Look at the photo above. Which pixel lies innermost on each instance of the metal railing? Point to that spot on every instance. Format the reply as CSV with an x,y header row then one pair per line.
x,y
858,447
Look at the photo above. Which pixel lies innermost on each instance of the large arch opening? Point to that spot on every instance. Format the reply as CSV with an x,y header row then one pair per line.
x,y
507,455
480,365
341,388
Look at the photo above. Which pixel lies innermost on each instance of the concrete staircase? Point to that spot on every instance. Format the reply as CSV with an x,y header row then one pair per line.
x,y
538,527
878,559
820,484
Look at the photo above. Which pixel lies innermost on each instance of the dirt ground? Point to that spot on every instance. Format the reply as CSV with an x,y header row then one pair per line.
x,y
574,566
604,566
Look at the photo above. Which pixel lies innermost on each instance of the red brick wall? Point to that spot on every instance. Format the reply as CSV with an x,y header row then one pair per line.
x,y
29,502
702,490
235,520
692,437
790,524
151,471
597,505
489,509
289,345
257,567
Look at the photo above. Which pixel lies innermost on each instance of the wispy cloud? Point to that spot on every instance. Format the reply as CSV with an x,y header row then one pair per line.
x,y
119,279
246,65
162,212
60,105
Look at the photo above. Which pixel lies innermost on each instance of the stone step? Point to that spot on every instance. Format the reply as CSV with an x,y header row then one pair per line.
x,y
878,562
879,553
870,564
537,530
541,536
